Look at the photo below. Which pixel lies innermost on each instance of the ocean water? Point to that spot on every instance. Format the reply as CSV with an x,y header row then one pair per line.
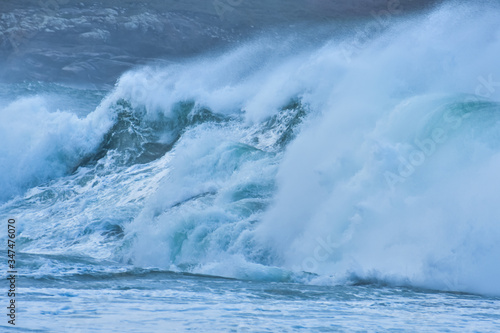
x,y
336,173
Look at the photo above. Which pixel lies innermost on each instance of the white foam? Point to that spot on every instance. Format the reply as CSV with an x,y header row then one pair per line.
x,y
337,213
39,144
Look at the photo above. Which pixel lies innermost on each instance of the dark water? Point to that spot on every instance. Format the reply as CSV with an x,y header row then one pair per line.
x,y
93,42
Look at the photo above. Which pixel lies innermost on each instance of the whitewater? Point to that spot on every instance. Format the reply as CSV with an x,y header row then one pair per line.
x,y
328,177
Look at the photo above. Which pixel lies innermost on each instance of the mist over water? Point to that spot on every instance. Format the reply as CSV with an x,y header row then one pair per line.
x,y
298,157
391,178
396,179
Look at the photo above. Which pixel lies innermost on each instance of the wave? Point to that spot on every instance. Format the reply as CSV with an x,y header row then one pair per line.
x,y
39,145
331,162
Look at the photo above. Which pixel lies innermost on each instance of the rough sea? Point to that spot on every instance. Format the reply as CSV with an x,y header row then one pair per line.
x,y
250,166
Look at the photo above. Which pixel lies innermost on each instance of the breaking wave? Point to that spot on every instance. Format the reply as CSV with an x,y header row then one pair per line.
x,y
351,160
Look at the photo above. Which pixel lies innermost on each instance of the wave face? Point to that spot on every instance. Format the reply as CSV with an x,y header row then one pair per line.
x,y
343,160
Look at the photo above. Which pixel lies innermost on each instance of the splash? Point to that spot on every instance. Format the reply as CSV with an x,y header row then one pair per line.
x,y
297,162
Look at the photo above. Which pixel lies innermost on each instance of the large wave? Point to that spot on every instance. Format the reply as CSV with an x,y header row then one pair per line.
x,y
367,156
393,178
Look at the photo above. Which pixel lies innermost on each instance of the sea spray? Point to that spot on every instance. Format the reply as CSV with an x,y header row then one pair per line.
x,y
272,163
